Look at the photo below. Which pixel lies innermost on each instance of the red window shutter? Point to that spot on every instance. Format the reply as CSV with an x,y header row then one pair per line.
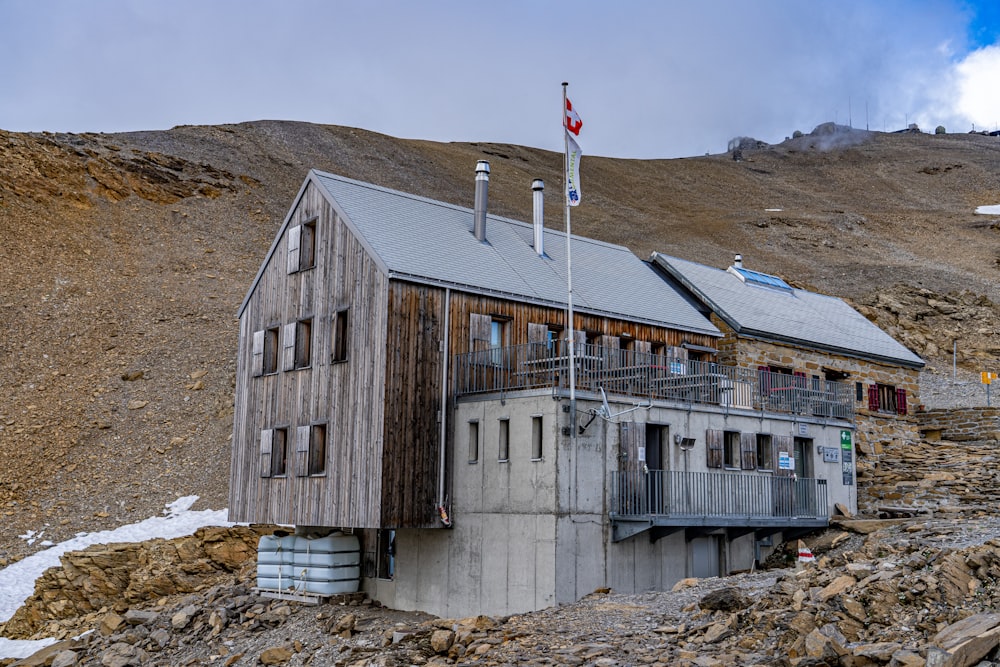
x,y
901,401
873,397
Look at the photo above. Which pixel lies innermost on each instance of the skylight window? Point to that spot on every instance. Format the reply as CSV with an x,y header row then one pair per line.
x,y
761,279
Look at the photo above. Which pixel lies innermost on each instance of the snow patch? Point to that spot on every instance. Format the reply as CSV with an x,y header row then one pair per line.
x,y
17,581
989,210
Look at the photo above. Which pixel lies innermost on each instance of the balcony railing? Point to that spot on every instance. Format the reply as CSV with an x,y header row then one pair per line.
x,y
536,366
689,499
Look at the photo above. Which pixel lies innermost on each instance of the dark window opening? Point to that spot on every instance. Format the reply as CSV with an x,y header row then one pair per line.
x,y
303,343
536,438
765,458
340,337
504,453
317,449
279,451
731,449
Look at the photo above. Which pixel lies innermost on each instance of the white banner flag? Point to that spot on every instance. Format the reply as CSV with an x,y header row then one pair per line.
x,y
573,171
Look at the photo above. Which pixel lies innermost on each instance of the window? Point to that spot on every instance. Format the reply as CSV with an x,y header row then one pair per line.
x,y
504,453
731,449
473,442
536,438
338,346
497,331
273,442
886,398
303,343
297,345
765,457
265,351
302,246
553,334
487,337
317,449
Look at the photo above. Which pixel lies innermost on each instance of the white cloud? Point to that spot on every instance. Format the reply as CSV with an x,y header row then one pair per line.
x,y
978,93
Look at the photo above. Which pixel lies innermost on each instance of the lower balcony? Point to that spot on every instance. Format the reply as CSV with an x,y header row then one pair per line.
x,y
667,501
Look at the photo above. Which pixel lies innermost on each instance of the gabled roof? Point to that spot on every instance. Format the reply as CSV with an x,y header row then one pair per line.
x,y
790,315
423,240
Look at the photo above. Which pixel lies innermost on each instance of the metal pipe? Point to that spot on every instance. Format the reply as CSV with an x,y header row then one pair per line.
x,y
482,198
538,210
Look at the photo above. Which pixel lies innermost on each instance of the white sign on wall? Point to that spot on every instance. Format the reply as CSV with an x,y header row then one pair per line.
x,y
785,461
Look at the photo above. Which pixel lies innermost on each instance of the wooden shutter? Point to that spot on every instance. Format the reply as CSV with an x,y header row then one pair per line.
x,y
873,403
302,451
538,341
288,346
714,440
294,246
748,451
266,438
258,353
901,401
764,375
631,435
779,444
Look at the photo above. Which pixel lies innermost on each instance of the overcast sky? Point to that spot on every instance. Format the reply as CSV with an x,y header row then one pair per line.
x,y
649,79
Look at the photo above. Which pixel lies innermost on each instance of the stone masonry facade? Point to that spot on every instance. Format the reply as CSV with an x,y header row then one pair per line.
x,y
961,424
874,429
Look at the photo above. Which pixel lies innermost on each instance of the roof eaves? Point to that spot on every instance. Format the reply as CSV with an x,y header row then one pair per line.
x,y
847,352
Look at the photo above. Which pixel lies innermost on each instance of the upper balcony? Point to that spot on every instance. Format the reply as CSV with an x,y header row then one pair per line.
x,y
652,376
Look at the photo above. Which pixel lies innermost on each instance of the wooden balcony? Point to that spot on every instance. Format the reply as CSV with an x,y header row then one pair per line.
x,y
667,501
656,377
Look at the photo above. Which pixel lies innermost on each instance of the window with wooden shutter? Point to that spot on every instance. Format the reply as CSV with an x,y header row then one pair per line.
x,y
302,451
748,451
294,241
539,345
288,346
266,440
307,245
279,452
713,445
258,353
731,449
901,401
765,458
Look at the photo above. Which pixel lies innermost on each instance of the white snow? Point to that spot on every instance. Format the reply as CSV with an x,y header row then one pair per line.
x,y
989,210
17,581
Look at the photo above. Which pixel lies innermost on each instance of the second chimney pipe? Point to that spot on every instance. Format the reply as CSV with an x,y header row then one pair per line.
x,y
482,198
738,261
538,201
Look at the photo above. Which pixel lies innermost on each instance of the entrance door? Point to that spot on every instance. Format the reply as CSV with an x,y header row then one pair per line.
x,y
704,554
657,462
805,490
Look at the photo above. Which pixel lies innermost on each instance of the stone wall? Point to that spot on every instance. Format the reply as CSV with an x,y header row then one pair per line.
x,y
960,424
873,428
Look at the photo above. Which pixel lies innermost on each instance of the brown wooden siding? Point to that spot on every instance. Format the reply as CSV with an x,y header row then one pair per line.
x,y
348,397
411,453
520,315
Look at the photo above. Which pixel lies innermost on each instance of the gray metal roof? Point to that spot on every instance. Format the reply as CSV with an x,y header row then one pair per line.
x,y
795,316
425,240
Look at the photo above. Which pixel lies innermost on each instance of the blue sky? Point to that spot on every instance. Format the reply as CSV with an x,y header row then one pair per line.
x,y
650,79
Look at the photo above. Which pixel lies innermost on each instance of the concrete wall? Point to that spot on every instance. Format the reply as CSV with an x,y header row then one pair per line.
x,y
530,533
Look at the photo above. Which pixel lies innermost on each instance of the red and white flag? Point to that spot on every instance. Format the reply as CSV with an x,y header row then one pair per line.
x,y
573,124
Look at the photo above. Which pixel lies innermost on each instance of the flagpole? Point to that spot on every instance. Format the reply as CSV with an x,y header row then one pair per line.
x,y
569,274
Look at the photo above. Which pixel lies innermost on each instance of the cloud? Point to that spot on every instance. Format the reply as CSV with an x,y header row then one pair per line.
x,y
978,93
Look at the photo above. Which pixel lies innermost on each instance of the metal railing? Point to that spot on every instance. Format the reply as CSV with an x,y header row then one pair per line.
x,y
703,496
537,365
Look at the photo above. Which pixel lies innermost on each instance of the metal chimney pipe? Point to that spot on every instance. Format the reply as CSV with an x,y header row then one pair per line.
x,y
538,208
482,198
738,261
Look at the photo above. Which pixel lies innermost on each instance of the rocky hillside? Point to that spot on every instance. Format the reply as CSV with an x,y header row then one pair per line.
x,y
125,257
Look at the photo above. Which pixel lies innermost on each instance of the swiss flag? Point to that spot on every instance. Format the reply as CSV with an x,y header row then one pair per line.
x,y
573,122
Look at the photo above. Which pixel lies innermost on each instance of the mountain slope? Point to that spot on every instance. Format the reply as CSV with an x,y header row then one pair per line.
x,y
125,256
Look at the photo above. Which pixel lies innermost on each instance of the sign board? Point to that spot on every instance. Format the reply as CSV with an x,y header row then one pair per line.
x,y
847,463
988,377
831,455
642,454
785,461
803,429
